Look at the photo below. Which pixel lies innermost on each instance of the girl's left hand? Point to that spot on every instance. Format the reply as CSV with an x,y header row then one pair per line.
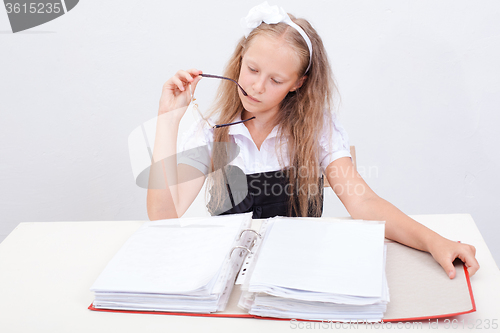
x,y
446,251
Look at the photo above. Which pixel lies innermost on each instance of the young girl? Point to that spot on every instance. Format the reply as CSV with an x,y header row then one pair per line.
x,y
272,163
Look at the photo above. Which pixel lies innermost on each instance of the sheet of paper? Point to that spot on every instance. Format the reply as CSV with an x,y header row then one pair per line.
x,y
178,256
343,257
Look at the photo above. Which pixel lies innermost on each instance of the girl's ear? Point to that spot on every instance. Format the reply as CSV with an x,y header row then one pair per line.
x,y
299,83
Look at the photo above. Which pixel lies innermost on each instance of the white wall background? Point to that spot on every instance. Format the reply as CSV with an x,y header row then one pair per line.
x,y
419,80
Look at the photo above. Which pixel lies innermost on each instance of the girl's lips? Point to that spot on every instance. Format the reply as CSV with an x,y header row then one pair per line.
x,y
253,99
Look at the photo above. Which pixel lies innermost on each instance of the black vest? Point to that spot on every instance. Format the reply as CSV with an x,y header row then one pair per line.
x,y
266,194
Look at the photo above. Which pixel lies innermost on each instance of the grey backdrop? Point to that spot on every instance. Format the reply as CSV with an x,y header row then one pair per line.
x,y
419,80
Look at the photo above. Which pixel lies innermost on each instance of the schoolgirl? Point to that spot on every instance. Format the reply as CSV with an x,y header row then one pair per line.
x,y
271,138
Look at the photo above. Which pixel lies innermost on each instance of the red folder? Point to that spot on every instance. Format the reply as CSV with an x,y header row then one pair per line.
x,y
418,286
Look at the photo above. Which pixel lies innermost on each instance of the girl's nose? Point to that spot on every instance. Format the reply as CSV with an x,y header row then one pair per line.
x,y
259,85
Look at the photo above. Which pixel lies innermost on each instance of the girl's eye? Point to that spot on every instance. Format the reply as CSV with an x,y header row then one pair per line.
x,y
277,82
252,70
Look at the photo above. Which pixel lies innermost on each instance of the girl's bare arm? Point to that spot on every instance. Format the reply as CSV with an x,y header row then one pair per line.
x,y
172,188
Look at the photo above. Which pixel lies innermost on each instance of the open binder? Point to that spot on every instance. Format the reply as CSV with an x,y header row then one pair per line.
x,y
419,289
179,264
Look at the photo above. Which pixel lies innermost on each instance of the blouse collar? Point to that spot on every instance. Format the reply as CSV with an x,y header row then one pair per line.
x,y
241,129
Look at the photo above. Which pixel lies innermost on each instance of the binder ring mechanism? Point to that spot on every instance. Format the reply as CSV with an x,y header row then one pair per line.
x,y
248,249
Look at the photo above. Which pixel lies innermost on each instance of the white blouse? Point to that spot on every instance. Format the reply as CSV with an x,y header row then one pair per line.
x,y
195,147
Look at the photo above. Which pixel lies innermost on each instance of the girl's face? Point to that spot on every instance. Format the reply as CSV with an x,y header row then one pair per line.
x,y
269,71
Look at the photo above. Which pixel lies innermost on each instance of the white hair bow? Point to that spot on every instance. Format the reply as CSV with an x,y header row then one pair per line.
x,y
263,13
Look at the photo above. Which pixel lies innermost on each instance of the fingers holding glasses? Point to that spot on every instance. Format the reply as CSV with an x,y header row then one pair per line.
x,y
177,91
182,79
197,77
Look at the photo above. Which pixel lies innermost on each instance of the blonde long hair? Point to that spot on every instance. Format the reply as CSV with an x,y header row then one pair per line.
x,y
303,114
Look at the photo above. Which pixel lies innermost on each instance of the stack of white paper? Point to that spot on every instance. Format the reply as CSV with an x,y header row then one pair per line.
x,y
319,270
181,265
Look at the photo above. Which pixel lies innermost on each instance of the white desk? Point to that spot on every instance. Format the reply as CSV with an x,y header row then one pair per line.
x,y
47,268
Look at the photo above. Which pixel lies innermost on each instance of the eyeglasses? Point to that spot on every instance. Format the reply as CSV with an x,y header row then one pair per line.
x,y
196,105
224,78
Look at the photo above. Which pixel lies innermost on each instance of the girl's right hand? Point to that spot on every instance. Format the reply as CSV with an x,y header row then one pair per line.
x,y
175,93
